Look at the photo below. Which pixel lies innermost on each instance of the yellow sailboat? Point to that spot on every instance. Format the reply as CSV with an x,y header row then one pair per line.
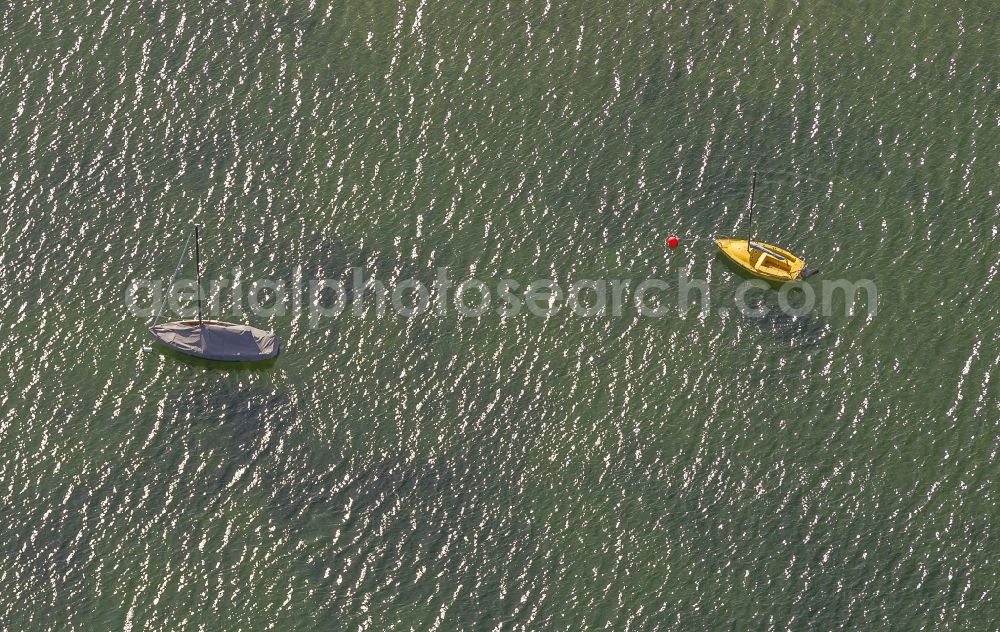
x,y
760,259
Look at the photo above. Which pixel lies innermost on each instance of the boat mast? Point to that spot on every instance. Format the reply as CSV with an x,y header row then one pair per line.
x,y
197,263
753,188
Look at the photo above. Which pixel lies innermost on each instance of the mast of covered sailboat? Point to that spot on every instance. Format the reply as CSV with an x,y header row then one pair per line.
x,y
197,263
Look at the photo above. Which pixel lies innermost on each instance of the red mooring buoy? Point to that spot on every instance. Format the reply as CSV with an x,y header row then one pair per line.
x,y
672,241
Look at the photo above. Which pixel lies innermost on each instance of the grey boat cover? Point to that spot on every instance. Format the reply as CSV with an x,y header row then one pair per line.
x,y
217,340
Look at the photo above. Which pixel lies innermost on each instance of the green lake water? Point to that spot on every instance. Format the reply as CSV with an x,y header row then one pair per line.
x,y
697,471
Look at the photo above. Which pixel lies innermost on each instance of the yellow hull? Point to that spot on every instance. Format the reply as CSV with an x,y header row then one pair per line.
x,y
759,262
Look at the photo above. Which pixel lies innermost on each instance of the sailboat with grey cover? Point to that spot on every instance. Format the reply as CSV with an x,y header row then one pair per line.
x,y
212,339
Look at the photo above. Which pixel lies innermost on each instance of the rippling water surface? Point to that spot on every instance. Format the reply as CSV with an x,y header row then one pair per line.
x,y
691,472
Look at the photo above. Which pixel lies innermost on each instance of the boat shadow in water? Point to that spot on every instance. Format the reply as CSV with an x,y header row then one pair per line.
x,y
795,330
339,492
